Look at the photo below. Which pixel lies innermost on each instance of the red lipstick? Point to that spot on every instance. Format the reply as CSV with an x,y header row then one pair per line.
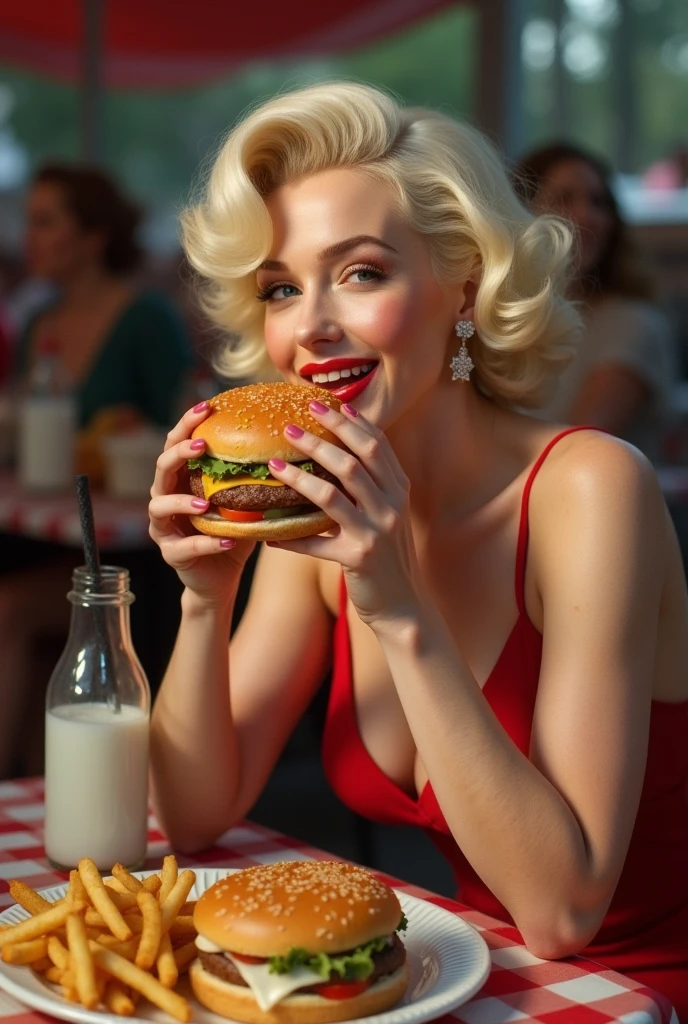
x,y
332,364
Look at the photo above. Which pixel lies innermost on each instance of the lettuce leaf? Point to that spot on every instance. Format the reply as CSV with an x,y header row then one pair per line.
x,y
355,966
218,469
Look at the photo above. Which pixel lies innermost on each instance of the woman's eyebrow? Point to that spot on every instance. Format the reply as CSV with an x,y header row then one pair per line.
x,y
332,251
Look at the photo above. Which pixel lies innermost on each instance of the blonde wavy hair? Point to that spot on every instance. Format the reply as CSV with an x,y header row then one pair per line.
x,y
452,188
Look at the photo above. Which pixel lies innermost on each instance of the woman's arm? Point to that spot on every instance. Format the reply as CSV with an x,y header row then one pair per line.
x,y
219,723
549,835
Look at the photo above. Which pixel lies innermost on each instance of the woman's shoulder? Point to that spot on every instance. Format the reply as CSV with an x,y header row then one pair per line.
x,y
590,471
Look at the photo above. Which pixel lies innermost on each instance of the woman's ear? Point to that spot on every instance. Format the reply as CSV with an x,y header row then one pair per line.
x,y
466,297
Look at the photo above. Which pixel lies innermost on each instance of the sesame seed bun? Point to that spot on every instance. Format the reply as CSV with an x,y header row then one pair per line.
x,y
246,425
321,906
238,1003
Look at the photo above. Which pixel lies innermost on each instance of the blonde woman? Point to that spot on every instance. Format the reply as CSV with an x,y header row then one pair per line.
x,y
503,600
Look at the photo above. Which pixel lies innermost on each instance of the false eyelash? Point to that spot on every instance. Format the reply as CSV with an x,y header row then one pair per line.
x,y
265,293
370,267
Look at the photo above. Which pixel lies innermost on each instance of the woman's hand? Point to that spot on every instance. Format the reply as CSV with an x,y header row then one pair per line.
x,y
209,566
374,541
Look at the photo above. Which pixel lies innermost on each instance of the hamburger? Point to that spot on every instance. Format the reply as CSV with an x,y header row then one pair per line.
x,y
242,433
299,942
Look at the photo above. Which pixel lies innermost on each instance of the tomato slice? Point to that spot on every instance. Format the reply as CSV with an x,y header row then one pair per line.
x,y
249,959
341,989
240,517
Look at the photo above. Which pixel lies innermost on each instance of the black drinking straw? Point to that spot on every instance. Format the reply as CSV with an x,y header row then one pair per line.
x,y
92,559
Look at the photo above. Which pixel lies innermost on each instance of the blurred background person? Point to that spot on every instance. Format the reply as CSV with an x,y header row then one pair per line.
x,y
127,353
125,348
626,368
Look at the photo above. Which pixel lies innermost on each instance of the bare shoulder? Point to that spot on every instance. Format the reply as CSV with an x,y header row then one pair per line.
x,y
593,470
597,511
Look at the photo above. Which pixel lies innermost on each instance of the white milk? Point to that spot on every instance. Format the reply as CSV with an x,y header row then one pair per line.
x,y
46,428
96,785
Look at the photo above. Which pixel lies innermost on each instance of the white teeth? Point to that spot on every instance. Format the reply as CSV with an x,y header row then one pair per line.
x,y
333,375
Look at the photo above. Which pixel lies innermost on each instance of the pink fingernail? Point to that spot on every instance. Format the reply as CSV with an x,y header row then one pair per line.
x,y
201,407
227,542
350,410
278,464
293,431
198,444
199,503
318,408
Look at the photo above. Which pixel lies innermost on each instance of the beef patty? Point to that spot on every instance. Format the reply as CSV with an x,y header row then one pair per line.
x,y
387,962
254,497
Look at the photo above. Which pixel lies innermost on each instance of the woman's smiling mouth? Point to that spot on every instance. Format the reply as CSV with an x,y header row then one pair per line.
x,y
344,378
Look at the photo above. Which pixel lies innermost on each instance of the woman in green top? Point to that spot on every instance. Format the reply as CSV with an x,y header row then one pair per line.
x,y
126,352
123,349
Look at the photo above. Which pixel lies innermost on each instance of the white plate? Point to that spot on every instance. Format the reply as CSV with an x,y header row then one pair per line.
x,y
448,963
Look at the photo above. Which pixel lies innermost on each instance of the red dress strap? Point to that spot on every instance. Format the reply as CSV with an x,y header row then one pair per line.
x,y
522,545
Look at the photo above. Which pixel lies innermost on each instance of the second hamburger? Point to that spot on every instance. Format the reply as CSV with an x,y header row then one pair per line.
x,y
299,942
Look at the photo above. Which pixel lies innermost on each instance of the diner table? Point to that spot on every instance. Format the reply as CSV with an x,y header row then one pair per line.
x,y
120,524
520,987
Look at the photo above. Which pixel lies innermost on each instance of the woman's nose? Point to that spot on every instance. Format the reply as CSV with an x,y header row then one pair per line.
x,y
316,325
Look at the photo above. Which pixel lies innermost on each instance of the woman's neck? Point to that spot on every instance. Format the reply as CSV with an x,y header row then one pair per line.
x,y
88,287
447,446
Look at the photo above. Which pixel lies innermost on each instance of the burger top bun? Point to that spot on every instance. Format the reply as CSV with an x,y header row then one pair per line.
x,y
247,424
321,906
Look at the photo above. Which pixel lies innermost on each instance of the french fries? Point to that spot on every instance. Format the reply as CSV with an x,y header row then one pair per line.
x,y
82,964
151,932
25,896
174,1004
127,879
109,942
25,952
102,900
168,877
166,964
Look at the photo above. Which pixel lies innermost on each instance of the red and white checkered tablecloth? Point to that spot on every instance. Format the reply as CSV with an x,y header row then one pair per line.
x,y
120,525
520,987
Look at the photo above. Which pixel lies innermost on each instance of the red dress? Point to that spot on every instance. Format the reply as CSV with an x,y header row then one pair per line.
x,y
645,932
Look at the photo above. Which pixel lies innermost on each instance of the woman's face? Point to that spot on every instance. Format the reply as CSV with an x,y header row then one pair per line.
x,y
350,294
574,190
56,246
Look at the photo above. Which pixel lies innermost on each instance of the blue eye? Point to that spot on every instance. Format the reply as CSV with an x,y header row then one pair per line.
x,y
270,292
373,274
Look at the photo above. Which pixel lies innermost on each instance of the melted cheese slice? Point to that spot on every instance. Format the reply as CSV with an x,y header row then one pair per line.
x,y
270,989
211,486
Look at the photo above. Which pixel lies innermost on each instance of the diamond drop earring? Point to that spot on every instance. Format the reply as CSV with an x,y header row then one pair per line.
x,y
462,364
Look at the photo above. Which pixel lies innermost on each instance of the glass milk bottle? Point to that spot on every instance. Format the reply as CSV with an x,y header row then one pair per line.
x,y
96,735
46,424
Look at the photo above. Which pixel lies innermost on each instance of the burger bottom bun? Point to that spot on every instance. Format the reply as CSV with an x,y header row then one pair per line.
x,y
238,1002
289,528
